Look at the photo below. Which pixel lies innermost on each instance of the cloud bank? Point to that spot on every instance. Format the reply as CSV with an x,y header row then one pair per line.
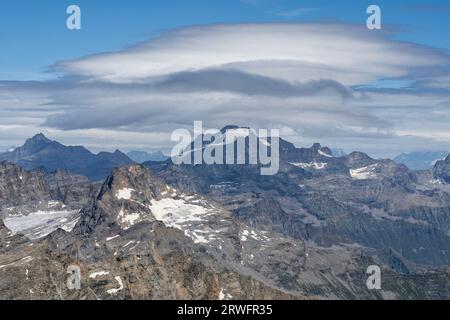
x,y
317,82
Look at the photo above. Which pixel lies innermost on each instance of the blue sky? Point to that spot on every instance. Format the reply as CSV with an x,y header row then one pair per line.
x,y
140,69
33,34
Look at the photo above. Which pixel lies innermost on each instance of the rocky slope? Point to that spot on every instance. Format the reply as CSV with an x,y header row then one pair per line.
x,y
125,256
140,238
441,170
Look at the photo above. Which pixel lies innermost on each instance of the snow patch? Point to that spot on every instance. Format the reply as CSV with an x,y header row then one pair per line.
x,y
127,220
310,165
181,214
98,274
224,296
21,262
114,291
325,154
364,173
39,224
128,243
112,238
124,194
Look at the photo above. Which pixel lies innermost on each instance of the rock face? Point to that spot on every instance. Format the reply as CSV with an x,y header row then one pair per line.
x,y
70,188
9,241
441,170
40,152
20,187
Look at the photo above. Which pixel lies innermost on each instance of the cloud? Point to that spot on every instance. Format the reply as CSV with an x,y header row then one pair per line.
x,y
348,54
312,80
217,80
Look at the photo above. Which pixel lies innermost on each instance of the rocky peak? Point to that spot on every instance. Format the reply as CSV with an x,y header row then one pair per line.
x,y
358,159
38,139
123,200
136,177
304,155
441,170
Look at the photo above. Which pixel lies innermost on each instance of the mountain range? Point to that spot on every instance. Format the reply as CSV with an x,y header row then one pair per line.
x,y
142,156
163,231
421,160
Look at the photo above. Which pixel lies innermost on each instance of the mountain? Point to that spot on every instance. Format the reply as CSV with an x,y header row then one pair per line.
x,y
350,200
137,239
40,152
166,231
142,156
421,160
140,238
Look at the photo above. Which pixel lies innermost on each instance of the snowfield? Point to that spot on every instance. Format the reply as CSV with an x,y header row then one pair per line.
x,y
325,154
127,220
185,216
124,194
364,173
39,224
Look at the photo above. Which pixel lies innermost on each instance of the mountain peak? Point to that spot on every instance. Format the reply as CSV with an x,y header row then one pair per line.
x,y
117,152
37,140
316,146
40,137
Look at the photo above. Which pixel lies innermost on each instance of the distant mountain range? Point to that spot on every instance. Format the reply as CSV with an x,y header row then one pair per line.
x,y
41,152
421,160
338,152
142,156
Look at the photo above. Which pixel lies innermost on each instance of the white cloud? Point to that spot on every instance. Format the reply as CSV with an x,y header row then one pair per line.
x,y
299,77
349,54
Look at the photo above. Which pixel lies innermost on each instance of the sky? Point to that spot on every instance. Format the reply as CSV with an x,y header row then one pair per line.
x,y
138,69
